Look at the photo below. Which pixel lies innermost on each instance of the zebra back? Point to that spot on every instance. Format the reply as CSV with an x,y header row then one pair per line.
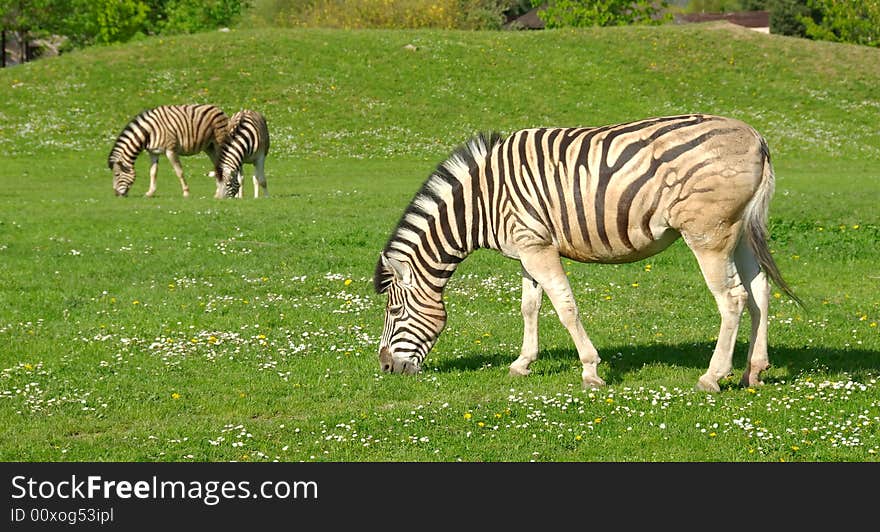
x,y
185,129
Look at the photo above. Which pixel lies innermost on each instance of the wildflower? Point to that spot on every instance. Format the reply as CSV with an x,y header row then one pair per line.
x,y
135,302
597,420
578,437
347,282
467,415
481,424
175,396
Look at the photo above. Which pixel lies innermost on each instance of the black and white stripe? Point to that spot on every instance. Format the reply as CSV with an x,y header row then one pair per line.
x,y
174,130
247,142
611,194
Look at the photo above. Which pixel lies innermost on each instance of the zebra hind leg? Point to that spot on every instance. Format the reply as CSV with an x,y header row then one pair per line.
x,y
722,278
543,264
260,178
758,288
178,169
532,294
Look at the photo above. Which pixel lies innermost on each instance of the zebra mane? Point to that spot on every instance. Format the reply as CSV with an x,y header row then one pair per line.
x,y
123,149
227,143
463,159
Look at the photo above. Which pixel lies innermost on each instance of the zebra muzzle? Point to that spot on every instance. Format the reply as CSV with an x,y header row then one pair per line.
x,y
389,364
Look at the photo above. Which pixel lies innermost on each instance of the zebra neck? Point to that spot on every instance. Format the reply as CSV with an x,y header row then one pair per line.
x,y
443,225
128,147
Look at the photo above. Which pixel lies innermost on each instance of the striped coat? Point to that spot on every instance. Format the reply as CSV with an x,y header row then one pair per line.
x,y
611,194
173,130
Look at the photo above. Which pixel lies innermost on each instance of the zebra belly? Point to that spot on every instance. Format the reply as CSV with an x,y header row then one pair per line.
x,y
663,238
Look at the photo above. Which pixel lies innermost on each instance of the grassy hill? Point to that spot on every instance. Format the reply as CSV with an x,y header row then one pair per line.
x,y
362,94
172,329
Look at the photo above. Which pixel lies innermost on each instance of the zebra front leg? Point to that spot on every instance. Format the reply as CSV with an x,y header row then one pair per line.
x,y
532,294
722,278
154,170
758,288
543,264
178,169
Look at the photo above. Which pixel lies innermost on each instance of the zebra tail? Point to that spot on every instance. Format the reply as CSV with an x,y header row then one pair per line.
x,y
756,226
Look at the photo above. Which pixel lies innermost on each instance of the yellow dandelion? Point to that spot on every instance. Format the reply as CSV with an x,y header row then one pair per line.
x,y
578,437
28,367
795,448
635,285
712,434
751,390
175,396
856,226
481,424
242,394
609,400
497,416
597,420
347,282
135,302
468,415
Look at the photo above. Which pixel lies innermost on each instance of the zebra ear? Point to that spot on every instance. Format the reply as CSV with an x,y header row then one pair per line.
x,y
401,271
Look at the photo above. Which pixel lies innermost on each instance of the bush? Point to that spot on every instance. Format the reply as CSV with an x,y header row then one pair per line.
x,y
445,14
584,13
844,21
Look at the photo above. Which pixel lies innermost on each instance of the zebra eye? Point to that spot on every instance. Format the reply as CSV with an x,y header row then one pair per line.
x,y
395,310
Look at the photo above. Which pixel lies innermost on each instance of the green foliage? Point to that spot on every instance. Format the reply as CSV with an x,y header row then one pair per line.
x,y
193,16
787,17
725,6
586,13
849,21
87,22
119,20
390,14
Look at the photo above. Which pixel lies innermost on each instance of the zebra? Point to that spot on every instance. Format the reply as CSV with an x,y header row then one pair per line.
x,y
174,130
612,194
247,142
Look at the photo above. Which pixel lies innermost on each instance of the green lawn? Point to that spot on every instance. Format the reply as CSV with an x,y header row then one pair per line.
x,y
173,329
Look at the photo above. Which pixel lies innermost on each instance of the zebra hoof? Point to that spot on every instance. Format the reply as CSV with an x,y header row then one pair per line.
x,y
706,385
750,381
593,382
516,371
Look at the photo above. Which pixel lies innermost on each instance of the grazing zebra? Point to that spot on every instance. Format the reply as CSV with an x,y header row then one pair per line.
x,y
174,130
247,142
611,194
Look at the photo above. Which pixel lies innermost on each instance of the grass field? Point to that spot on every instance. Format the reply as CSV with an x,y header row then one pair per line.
x,y
171,329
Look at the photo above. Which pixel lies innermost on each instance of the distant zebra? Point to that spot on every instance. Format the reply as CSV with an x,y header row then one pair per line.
x,y
611,194
174,130
247,142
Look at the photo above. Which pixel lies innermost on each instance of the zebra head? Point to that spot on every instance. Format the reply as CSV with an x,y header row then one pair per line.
x,y
228,181
414,317
123,177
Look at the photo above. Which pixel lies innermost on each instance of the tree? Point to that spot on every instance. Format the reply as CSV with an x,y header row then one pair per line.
x,y
844,21
583,13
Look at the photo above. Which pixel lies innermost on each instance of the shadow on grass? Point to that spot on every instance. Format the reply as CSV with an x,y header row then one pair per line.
x,y
614,366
